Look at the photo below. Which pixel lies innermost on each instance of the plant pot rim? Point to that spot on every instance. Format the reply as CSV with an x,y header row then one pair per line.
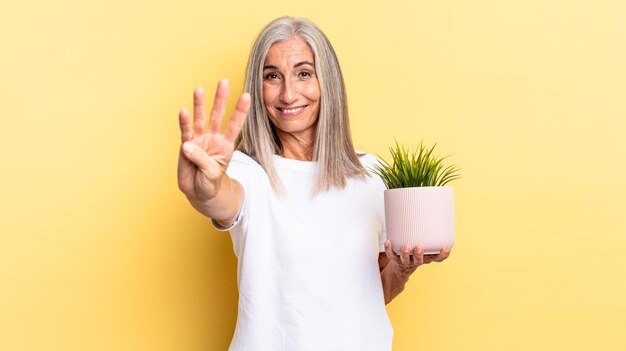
x,y
420,187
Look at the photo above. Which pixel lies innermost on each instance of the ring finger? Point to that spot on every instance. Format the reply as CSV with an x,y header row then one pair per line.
x,y
418,255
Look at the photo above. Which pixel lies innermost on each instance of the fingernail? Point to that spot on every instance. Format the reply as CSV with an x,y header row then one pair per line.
x,y
188,148
387,244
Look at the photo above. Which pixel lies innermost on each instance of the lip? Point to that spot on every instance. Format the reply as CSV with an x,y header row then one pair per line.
x,y
291,111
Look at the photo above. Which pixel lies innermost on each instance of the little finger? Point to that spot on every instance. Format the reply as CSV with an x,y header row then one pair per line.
x,y
444,254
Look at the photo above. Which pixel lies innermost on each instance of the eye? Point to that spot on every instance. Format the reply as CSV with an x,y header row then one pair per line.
x,y
305,74
270,76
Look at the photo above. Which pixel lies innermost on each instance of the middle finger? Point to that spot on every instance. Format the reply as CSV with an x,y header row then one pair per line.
x,y
405,255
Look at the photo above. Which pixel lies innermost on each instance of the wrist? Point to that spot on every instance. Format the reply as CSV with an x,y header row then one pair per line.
x,y
224,206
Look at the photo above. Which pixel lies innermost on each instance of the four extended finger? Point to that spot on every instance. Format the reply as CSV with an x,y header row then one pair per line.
x,y
219,106
185,125
199,113
238,118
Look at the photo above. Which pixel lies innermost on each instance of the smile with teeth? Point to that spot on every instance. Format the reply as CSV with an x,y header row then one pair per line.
x,y
291,111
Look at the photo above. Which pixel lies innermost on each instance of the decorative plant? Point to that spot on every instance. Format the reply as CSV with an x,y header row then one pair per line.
x,y
418,168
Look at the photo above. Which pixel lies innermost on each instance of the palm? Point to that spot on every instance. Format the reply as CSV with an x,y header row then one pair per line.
x,y
200,174
199,183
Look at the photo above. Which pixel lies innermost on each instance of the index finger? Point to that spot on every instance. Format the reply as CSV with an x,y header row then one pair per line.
x,y
234,126
185,125
389,251
199,116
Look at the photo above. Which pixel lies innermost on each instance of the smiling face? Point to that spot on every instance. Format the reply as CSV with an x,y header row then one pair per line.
x,y
291,92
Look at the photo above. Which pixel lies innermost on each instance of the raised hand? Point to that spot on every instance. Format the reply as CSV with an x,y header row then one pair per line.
x,y
206,152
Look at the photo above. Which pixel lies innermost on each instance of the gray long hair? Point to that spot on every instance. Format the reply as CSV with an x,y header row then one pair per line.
x,y
333,149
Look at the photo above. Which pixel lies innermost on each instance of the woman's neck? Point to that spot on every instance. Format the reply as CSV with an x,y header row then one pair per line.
x,y
297,146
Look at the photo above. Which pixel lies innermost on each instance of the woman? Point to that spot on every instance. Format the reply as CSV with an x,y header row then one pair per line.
x,y
306,218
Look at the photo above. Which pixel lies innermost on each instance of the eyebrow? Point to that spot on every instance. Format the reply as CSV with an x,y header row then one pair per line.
x,y
303,63
294,66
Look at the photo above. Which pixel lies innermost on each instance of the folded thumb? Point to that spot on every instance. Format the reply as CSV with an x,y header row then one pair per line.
x,y
196,155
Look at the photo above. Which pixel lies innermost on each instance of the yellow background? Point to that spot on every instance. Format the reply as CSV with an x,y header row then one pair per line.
x,y
100,251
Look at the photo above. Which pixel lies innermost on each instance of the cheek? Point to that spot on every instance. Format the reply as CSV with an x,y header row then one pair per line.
x,y
269,95
312,92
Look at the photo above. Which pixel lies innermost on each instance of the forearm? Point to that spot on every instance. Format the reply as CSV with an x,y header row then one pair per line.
x,y
225,205
393,278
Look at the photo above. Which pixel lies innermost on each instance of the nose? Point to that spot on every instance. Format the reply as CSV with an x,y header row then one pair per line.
x,y
289,92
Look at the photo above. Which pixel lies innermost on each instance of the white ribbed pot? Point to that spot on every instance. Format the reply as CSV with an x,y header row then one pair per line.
x,y
421,215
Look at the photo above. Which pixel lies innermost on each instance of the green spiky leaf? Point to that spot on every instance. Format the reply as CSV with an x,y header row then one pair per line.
x,y
416,168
